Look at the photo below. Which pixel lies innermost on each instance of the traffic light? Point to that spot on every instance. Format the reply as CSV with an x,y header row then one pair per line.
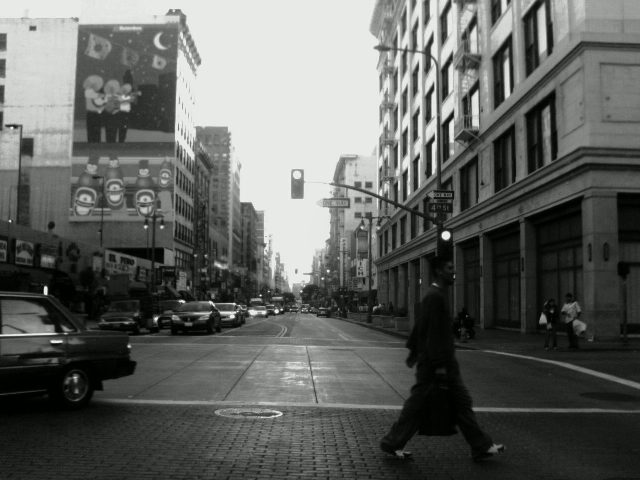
x,y
297,183
444,243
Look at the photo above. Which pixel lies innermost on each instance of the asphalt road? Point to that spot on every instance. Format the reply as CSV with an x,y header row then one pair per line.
x,y
335,388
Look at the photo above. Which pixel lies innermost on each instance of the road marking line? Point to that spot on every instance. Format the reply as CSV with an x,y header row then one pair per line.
x,y
354,406
570,366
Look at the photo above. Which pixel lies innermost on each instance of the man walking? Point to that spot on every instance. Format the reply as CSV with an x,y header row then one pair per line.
x,y
431,348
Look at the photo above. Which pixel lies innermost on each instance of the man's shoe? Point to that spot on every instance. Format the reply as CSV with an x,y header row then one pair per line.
x,y
494,449
401,454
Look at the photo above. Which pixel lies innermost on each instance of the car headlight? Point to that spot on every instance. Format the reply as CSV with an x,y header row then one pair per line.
x,y
233,315
175,317
276,310
156,317
204,317
252,312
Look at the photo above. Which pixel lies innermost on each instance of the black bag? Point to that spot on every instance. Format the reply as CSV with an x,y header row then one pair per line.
x,y
438,416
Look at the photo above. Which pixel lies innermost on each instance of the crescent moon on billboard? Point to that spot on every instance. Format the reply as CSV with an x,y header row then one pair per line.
x,y
157,42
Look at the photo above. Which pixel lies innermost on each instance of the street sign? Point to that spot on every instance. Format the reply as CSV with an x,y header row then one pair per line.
x,y
441,194
440,207
336,202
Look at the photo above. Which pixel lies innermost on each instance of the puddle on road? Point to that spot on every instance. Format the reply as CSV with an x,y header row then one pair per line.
x,y
248,413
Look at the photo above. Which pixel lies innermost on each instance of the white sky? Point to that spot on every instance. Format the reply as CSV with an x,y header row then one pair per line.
x,y
294,80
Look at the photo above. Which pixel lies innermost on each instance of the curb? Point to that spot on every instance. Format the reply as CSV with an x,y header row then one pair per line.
x,y
388,331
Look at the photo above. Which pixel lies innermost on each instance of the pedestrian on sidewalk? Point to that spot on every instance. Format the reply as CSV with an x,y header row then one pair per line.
x,y
571,311
550,311
431,348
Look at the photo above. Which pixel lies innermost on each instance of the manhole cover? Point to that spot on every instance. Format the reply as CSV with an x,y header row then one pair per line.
x,y
248,413
611,396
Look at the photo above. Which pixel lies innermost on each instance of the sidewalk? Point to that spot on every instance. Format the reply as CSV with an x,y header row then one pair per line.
x,y
514,341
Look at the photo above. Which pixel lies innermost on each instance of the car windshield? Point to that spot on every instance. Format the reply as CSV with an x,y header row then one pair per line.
x,y
260,308
194,307
226,307
128,306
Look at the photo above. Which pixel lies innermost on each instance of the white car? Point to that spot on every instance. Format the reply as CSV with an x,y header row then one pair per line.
x,y
258,311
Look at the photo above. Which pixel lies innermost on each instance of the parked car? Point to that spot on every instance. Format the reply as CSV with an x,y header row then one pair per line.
x,y
271,309
129,315
199,315
324,312
304,308
293,308
231,314
258,311
45,349
165,308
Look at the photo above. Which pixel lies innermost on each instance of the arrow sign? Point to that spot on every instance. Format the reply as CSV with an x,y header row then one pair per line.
x,y
441,194
336,202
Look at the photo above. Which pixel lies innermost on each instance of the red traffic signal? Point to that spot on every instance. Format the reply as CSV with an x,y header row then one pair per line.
x,y
297,183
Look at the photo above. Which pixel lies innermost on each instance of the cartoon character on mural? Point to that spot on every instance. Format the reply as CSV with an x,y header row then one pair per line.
x,y
87,189
94,104
114,184
145,190
165,176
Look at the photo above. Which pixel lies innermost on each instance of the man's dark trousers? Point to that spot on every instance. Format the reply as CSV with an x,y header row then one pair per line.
x,y
409,420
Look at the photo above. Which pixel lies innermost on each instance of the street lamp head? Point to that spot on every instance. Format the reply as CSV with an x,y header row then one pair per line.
x,y
146,224
162,224
362,225
13,126
383,48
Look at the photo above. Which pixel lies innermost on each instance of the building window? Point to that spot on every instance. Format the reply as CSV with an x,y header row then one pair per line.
x,y
446,22
538,35
447,78
404,65
357,184
414,37
395,119
429,105
502,73
405,142
415,125
469,184
3,67
394,234
504,152
357,215
427,57
1,93
357,200
415,80
3,42
415,173
405,185
426,11
405,101
431,156
395,192
403,22
413,223
471,108
542,136
386,241
368,184
447,139
396,155
403,230
497,9
425,208
368,200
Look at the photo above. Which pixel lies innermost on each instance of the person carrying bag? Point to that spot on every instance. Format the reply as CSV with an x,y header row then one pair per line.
x,y
549,320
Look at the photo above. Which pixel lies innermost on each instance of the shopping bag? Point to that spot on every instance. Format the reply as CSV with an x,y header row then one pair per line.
x,y
543,320
438,417
579,327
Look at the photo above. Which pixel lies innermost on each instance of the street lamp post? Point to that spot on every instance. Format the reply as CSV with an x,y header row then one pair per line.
x,y
96,177
153,218
428,56
18,126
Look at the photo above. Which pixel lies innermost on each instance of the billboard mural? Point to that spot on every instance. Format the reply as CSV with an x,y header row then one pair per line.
x,y
126,83
120,189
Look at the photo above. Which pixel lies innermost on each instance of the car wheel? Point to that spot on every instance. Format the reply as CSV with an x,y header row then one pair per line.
x,y
209,328
73,389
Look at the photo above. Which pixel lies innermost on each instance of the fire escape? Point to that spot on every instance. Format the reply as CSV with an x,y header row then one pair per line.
x,y
467,60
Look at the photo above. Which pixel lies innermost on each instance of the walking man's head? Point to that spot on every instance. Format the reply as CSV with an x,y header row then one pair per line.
x,y
443,271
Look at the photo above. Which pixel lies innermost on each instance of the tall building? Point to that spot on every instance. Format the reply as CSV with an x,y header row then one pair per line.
x,y
348,244
537,133
262,274
117,130
251,255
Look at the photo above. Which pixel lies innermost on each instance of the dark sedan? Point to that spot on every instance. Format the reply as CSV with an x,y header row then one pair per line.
x,y
324,312
43,348
202,315
165,310
127,315
231,314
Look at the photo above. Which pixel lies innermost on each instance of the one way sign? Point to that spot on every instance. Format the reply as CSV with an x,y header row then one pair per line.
x,y
441,194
